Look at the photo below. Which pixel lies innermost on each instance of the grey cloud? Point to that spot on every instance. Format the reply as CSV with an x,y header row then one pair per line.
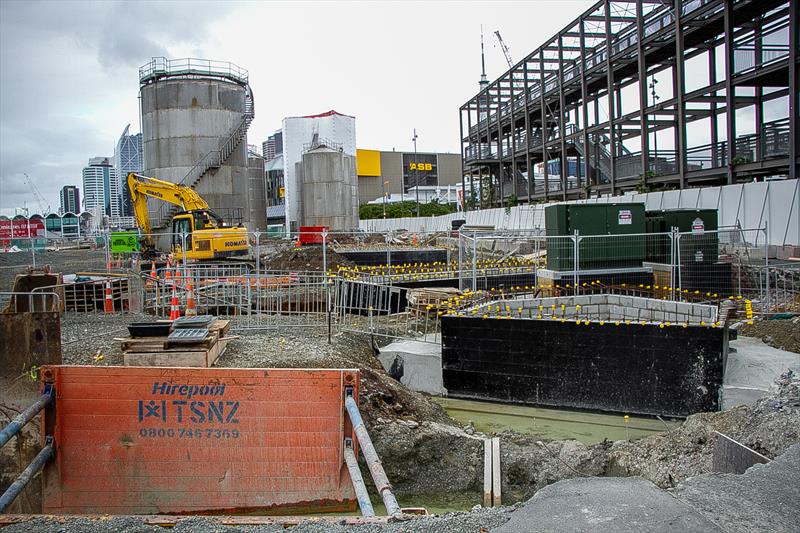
x,y
65,66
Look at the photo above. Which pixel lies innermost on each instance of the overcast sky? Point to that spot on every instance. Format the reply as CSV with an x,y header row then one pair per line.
x,y
69,70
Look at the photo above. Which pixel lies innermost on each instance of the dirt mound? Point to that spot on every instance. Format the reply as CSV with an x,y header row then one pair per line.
x,y
781,334
305,258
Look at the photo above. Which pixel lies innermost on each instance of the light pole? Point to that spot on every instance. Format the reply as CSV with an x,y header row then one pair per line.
x,y
652,86
416,168
385,185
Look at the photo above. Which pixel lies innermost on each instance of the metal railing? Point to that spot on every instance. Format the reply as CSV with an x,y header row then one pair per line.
x,y
161,67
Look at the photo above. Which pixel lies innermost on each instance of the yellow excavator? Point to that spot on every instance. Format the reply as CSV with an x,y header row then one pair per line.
x,y
207,236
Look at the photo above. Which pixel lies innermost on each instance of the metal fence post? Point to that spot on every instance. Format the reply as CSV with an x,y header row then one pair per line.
x,y
766,266
258,252
678,259
33,249
474,261
460,261
576,239
183,250
108,252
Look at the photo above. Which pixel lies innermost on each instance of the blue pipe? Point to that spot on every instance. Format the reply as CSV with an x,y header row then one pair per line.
x,y
359,486
25,416
25,477
371,456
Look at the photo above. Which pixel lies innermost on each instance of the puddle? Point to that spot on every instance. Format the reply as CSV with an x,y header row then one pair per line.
x,y
555,424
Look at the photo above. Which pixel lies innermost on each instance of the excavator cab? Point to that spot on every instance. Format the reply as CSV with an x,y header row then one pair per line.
x,y
182,225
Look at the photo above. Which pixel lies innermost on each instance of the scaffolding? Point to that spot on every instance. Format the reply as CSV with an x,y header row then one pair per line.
x,y
634,95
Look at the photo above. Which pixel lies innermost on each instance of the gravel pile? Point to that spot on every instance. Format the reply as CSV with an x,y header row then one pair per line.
x,y
479,520
305,258
769,426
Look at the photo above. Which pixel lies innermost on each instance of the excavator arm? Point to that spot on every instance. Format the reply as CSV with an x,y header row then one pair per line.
x,y
142,187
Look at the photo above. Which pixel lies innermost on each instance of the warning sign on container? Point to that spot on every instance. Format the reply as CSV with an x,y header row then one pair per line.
x,y
625,217
698,226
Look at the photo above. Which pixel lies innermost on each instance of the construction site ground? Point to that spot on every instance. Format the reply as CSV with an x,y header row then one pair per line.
x,y
430,459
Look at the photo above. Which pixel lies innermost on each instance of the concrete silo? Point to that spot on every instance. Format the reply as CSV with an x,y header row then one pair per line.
x,y
195,117
328,187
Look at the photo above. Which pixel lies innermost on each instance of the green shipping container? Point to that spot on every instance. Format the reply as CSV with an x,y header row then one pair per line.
x,y
699,241
620,219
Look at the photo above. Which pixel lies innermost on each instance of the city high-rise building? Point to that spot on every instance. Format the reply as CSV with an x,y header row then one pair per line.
x,y
101,187
127,159
70,199
273,146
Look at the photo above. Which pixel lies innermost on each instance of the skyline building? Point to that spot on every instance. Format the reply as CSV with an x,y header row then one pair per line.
x,y
101,187
273,146
70,198
127,159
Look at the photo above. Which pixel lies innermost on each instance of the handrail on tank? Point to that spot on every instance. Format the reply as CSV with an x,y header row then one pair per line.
x,y
371,456
162,67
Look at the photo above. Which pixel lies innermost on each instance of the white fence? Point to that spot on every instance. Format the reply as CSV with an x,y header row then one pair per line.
x,y
772,204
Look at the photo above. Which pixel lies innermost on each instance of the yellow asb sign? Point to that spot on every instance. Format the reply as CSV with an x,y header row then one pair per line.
x,y
420,166
281,192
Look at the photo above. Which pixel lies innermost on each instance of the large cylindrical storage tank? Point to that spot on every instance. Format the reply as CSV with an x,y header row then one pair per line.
x,y
190,109
329,189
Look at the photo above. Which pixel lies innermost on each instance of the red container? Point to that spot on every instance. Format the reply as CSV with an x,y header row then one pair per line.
x,y
142,440
312,234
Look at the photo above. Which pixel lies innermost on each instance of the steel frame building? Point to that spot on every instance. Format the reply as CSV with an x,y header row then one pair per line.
x,y
587,95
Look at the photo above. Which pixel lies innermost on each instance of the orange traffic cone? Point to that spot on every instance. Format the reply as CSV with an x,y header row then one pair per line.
x,y
168,272
108,303
191,306
175,306
108,264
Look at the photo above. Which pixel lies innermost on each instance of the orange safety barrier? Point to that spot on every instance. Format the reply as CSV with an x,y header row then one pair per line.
x,y
144,440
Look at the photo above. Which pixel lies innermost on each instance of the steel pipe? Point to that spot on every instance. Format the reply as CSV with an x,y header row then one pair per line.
x,y
25,416
371,456
359,486
25,477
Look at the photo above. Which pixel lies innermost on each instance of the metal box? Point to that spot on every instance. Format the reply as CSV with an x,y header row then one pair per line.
x,y
141,440
606,220
699,242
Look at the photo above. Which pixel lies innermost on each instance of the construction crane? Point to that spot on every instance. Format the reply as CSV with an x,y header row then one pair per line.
x,y
44,207
205,234
504,48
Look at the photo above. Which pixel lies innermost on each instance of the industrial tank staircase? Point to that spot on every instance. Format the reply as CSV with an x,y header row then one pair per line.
x,y
212,160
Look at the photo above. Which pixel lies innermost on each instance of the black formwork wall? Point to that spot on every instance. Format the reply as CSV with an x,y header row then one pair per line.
x,y
633,369
397,257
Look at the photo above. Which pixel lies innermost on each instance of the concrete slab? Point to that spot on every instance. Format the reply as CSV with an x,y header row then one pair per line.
x,y
618,505
764,498
751,369
415,364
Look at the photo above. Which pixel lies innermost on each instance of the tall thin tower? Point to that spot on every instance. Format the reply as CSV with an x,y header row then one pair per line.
x,y
482,84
